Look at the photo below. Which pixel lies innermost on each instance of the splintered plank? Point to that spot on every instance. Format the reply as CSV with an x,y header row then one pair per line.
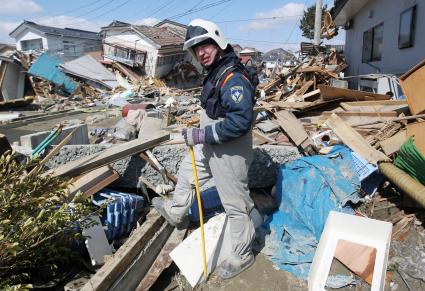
x,y
110,155
413,85
418,130
393,144
360,259
354,140
93,181
163,261
330,93
293,127
121,260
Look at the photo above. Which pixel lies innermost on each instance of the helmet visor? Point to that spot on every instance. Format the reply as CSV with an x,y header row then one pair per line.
x,y
195,31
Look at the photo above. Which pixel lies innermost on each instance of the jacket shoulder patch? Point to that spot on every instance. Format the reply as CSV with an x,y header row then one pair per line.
x,y
237,93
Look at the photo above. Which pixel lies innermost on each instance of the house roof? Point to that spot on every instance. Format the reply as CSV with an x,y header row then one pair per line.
x,y
159,35
116,24
344,10
159,24
69,32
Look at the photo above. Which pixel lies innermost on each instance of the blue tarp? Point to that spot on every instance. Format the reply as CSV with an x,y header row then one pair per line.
x,y
307,190
47,67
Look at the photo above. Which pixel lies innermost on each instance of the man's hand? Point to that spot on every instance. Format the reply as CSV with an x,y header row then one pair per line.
x,y
193,136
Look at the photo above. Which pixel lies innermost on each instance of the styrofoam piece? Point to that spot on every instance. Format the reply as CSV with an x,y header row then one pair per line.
x,y
96,242
360,230
188,254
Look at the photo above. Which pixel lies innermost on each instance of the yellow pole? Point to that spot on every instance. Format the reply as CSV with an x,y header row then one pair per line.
x,y
201,216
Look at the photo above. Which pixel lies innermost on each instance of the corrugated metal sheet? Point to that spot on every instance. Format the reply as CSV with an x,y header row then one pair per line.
x,y
47,67
89,68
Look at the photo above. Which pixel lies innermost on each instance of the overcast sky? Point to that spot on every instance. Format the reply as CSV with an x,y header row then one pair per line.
x,y
241,20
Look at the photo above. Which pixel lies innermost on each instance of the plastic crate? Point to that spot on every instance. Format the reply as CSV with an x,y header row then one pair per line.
x,y
119,216
211,205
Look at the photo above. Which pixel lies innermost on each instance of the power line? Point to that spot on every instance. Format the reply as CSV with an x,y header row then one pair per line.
x,y
207,6
255,19
95,9
263,41
102,14
160,8
221,10
191,9
78,8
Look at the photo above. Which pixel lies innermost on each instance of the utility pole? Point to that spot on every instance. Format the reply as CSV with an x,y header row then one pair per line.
x,y
318,22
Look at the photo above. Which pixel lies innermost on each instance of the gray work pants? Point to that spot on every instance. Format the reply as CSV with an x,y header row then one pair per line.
x,y
228,163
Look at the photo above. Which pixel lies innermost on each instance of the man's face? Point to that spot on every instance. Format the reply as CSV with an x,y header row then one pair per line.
x,y
206,54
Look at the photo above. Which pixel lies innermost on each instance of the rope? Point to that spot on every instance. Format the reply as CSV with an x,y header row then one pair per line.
x,y
411,160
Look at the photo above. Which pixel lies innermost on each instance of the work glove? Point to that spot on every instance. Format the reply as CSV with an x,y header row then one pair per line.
x,y
163,189
193,136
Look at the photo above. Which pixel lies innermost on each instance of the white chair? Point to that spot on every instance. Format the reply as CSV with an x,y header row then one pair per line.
x,y
356,229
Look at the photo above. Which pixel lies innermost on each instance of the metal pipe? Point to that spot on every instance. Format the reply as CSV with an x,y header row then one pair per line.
x,y
318,22
404,182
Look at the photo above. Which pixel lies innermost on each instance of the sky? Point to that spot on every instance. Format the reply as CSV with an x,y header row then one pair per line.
x,y
242,21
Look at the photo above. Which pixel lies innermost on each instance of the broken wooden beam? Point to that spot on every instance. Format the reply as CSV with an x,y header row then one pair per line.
x,y
294,129
163,261
93,181
121,260
330,93
109,155
354,140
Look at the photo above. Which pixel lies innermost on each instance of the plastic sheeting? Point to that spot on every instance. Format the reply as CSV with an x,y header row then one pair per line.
x,y
307,190
47,67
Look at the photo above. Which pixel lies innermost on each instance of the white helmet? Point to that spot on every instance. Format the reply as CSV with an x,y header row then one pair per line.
x,y
200,30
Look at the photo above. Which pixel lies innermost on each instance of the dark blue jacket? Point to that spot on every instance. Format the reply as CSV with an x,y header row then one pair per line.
x,y
236,95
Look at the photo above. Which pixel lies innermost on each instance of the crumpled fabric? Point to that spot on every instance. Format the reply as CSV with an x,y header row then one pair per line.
x,y
307,190
136,117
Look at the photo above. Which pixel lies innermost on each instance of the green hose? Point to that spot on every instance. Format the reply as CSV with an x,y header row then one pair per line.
x,y
411,161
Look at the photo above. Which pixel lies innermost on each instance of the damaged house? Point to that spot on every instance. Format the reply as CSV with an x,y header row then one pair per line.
x,y
155,50
70,42
376,32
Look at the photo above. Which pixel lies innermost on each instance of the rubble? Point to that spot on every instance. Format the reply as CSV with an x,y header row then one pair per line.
x,y
130,125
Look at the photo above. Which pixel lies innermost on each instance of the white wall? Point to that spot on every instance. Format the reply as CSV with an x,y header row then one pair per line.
x,y
54,43
394,60
29,34
130,39
76,46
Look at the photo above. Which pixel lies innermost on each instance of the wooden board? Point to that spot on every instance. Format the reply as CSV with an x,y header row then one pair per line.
x,y
393,144
354,140
360,259
110,155
293,127
138,269
356,117
289,105
330,93
163,261
93,181
113,268
413,85
418,130
399,106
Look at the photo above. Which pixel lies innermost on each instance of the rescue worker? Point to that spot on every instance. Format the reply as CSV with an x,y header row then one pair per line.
x,y
222,144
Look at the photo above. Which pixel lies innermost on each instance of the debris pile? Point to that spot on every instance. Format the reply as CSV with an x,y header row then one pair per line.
x,y
111,129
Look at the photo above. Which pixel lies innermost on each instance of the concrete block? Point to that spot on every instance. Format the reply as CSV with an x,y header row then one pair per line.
x,y
81,136
360,230
96,242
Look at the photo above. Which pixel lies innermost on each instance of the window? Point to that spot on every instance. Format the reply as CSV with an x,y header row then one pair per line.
x,y
406,34
170,59
373,40
32,44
